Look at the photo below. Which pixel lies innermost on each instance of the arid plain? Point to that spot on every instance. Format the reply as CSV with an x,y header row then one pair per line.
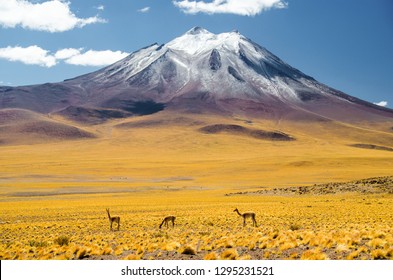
x,y
54,189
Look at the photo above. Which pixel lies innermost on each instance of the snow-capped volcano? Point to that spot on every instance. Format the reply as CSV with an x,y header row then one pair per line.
x,y
228,65
199,71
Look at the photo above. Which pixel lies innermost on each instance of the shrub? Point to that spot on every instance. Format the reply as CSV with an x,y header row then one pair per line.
x,y
62,240
82,253
210,256
294,227
41,243
187,250
313,255
132,257
379,254
230,254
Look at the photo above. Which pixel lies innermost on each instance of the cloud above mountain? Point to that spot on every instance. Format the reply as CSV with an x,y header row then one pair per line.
x,y
34,55
50,16
243,8
95,58
144,10
382,103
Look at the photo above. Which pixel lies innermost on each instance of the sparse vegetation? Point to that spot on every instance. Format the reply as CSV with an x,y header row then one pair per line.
x,y
335,227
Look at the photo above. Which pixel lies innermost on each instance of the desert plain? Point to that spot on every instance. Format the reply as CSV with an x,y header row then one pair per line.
x,y
325,193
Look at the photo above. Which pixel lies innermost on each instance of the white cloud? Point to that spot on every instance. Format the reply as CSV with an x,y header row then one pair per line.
x,y
96,58
144,10
244,7
101,7
5,83
51,16
67,53
34,55
382,103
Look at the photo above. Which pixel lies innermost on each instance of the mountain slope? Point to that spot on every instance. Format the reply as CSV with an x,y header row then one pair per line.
x,y
19,126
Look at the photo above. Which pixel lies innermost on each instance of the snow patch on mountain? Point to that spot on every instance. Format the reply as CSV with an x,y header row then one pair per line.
x,y
198,41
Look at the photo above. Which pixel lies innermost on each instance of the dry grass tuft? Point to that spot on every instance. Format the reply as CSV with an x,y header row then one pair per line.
x,y
82,253
132,257
230,254
187,250
211,256
294,227
379,254
62,240
313,254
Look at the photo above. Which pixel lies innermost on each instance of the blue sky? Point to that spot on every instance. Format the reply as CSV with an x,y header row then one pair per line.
x,y
346,44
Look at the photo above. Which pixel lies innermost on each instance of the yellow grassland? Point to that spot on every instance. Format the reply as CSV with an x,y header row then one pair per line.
x,y
53,195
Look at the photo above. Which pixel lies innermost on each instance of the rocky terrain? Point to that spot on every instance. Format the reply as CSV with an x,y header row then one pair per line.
x,y
365,186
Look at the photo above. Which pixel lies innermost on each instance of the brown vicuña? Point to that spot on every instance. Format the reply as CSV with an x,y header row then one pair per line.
x,y
246,215
113,219
168,219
